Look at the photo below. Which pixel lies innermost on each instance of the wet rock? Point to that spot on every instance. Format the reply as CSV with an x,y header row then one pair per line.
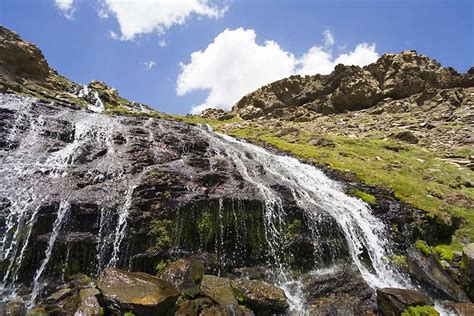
x,y
88,306
262,297
427,270
393,301
59,295
219,290
468,270
193,307
340,305
38,311
460,309
14,307
138,292
185,274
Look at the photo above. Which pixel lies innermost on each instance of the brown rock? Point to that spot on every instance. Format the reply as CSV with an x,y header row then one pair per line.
x,y
393,301
185,274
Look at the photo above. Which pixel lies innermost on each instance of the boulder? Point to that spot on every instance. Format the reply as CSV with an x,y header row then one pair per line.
x,y
185,274
193,307
427,270
461,309
468,270
219,290
393,301
138,292
59,295
88,306
14,307
407,137
260,296
341,305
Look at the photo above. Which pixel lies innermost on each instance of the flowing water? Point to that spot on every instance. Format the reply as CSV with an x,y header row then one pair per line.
x,y
34,174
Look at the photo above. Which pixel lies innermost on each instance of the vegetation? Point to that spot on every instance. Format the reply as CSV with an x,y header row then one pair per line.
x,y
162,233
420,311
366,197
423,247
414,174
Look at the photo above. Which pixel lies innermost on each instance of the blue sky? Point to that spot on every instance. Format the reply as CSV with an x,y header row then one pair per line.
x,y
192,54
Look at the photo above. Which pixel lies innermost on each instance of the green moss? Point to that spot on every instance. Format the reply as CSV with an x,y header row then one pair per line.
x,y
423,247
399,260
129,314
205,227
420,311
366,197
161,230
292,230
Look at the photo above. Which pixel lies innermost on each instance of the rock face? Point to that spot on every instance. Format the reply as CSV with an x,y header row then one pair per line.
x,y
393,301
350,88
140,293
19,59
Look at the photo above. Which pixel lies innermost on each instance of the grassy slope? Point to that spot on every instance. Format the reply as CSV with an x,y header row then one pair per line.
x,y
416,175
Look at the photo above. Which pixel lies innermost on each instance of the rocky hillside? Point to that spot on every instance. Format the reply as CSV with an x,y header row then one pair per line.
x,y
132,214
25,71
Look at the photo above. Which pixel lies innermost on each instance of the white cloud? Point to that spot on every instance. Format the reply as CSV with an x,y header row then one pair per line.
x,y
149,64
66,7
147,16
234,64
328,38
231,66
162,42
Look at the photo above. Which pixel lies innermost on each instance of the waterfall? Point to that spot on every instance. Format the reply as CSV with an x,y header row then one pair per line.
x,y
58,223
78,158
314,192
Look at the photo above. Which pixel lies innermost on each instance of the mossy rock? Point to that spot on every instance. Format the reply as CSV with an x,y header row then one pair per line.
x,y
424,310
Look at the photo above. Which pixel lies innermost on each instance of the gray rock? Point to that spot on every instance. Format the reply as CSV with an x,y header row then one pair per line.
x,y
468,270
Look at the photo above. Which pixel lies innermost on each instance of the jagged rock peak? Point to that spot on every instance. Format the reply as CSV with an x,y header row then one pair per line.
x,y
350,88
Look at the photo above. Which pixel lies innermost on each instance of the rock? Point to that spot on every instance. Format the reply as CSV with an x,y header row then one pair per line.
x,y
216,114
59,295
20,59
193,307
341,305
138,292
38,311
88,306
185,274
461,309
14,307
260,296
406,136
393,301
427,270
468,270
219,290
85,293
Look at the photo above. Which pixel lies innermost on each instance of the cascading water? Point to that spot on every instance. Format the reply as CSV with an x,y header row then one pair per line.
x,y
57,162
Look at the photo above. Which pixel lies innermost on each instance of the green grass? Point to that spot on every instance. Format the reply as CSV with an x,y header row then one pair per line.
x,y
416,175
423,247
366,197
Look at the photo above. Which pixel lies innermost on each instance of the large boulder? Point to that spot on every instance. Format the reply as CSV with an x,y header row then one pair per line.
x,y
393,301
138,292
185,274
427,270
219,290
262,297
468,270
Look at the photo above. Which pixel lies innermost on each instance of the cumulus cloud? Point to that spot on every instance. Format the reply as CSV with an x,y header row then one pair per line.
x,y
66,7
147,16
234,64
149,64
231,66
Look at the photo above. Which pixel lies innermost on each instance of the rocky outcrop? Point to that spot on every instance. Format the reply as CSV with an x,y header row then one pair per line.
x,y
392,301
19,60
140,293
351,88
427,270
